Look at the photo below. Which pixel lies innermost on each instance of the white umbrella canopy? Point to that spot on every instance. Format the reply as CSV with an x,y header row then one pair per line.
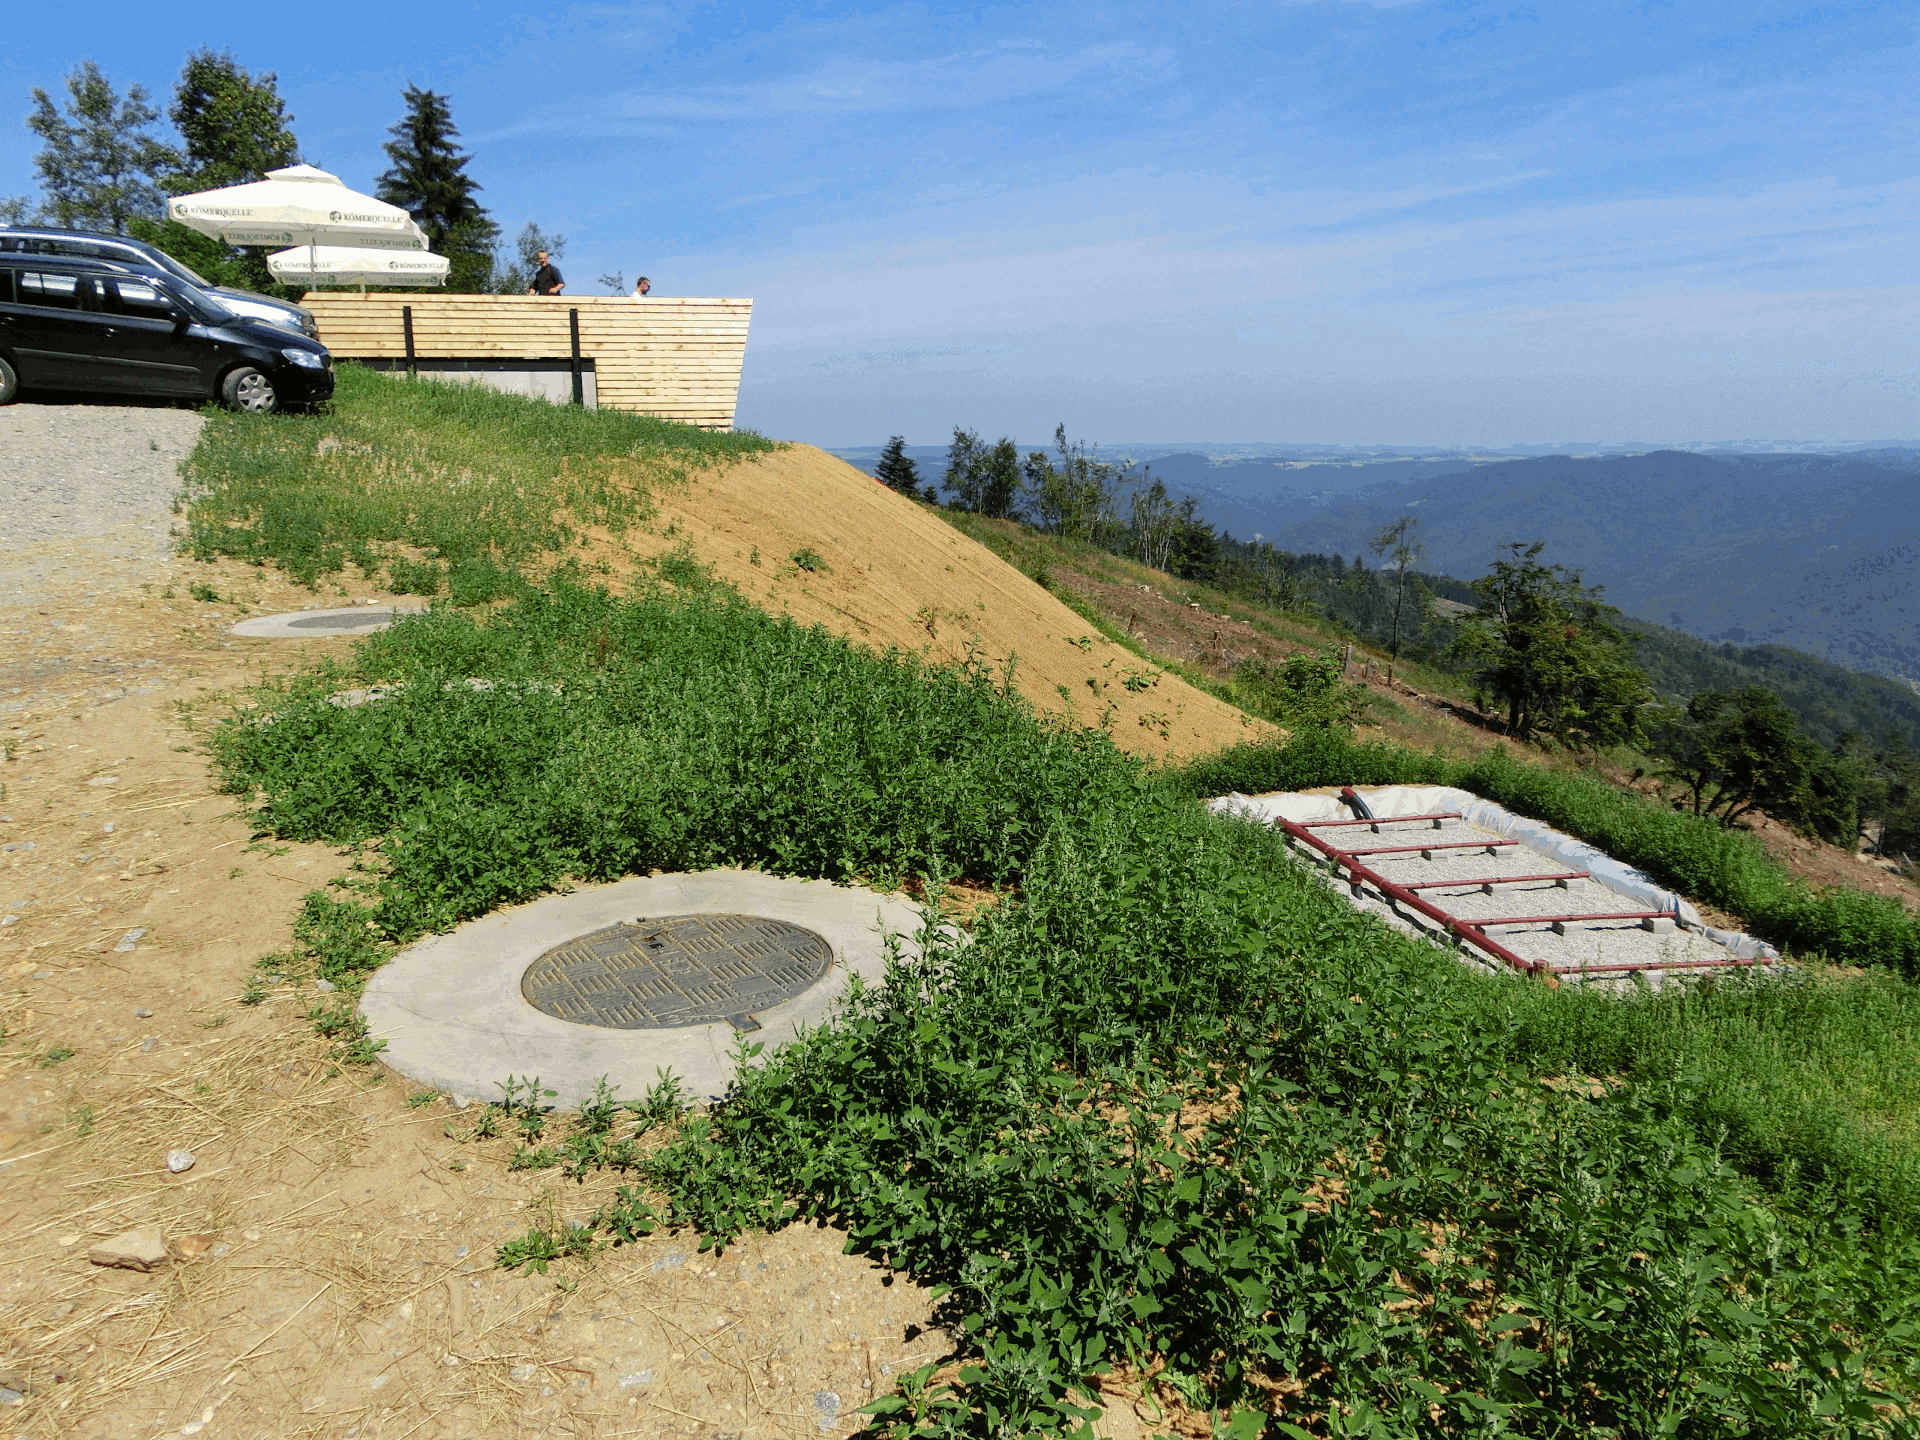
x,y
348,265
299,205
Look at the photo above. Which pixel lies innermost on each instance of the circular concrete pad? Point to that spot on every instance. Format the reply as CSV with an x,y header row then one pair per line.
x,y
315,624
453,1015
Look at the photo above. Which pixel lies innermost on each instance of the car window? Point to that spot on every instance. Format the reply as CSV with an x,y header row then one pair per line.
x,y
55,291
6,287
128,296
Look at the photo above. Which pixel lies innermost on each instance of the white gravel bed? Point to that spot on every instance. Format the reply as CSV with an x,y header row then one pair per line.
x,y
1587,943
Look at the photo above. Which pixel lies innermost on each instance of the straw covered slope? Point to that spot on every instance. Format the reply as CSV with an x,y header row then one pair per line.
x,y
888,573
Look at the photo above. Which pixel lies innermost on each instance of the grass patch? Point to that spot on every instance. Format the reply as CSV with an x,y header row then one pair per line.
x,y
1175,1103
435,484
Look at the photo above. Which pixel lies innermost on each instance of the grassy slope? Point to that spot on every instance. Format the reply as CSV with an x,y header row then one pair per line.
x,y
1179,1102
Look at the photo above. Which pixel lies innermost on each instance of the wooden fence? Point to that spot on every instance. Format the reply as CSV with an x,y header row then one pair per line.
x,y
676,358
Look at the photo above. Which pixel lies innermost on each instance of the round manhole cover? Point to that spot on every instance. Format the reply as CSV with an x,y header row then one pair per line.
x,y
366,620
677,970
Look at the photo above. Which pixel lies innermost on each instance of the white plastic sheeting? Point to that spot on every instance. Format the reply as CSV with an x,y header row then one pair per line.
x,y
1389,801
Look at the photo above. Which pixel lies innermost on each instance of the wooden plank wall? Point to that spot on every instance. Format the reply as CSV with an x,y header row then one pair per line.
x,y
677,358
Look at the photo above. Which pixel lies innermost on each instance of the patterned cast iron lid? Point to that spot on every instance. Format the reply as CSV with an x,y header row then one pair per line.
x,y
677,970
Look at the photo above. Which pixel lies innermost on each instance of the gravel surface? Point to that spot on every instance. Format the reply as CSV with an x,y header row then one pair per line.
x,y
81,470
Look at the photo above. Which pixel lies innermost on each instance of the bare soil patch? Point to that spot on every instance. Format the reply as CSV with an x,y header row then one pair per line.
x,y
334,1244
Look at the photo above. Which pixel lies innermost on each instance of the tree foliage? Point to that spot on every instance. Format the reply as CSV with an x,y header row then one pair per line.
x,y
981,477
896,469
1400,543
1542,646
428,179
99,166
234,128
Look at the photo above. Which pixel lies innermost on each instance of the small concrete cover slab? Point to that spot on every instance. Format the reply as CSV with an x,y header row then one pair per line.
x,y
453,1015
317,624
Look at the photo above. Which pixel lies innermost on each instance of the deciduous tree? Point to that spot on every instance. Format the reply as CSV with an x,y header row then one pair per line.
x,y
1540,643
234,128
99,166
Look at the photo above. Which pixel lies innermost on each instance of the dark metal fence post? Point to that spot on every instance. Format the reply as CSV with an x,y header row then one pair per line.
x,y
573,325
406,322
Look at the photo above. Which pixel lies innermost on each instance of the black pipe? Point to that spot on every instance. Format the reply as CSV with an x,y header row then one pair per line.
x,y
406,322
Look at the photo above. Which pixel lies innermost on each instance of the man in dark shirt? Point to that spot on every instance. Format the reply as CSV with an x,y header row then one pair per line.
x,y
547,280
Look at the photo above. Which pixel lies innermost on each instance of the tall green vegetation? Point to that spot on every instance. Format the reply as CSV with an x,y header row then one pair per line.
x,y
428,179
1541,646
982,478
1175,1105
234,128
897,470
1400,543
99,165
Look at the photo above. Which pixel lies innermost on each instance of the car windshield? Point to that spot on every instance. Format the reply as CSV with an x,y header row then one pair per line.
x,y
174,267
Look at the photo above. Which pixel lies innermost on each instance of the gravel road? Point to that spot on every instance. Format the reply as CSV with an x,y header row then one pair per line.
x,y
80,470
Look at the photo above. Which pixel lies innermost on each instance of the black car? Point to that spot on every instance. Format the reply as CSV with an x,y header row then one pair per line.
x,y
92,245
98,326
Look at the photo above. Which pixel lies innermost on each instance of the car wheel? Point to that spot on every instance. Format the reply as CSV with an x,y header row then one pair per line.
x,y
9,383
245,388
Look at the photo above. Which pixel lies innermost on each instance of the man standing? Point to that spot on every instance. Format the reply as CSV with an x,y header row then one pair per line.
x,y
641,287
547,280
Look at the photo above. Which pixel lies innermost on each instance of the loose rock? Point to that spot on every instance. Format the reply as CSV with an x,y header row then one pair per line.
x,y
179,1161
143,1013
192,1247
135,1250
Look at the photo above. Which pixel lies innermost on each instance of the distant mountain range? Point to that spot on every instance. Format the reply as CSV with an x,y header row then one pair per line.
x,y
1820,553
1816,551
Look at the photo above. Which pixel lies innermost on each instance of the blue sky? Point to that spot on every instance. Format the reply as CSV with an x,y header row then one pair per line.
x,y
1341,222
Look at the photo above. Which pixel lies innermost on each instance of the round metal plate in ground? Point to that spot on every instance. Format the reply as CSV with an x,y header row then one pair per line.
x,y
663,973
454,1013
317,624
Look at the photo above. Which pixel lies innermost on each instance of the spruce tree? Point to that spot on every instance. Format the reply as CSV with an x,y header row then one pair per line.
x,y
235,128
429,180
896,469
99,167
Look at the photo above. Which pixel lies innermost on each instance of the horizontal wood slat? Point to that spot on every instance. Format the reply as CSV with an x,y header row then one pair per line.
x,y
679,358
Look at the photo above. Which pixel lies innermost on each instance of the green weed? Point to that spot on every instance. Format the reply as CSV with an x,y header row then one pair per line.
x,y
54,1056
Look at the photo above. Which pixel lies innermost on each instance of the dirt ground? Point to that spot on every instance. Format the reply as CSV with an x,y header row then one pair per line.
x,y
893,575
334,1271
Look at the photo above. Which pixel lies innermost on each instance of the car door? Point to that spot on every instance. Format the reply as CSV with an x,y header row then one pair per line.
x,y
50,331
150,345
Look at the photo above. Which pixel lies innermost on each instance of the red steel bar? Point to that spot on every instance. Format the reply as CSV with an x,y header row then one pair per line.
x,y
1500,880
1673,915
1407,897
1469,930
1381,820
1430,845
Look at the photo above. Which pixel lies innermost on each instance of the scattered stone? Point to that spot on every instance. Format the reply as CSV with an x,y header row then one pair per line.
x,y
61,1311
150,1044
520,1374
6,920
192,1247
250,1235
143,1013
460,1102
129,941
104,780
325,987
43,974
135,1250
9,1396
826,1405
639,1377
180,1161
107,829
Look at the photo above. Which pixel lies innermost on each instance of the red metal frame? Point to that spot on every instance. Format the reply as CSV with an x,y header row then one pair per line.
x,y
1473,931
1501,880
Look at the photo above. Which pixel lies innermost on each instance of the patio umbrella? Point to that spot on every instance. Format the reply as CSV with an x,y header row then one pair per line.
x,y
351,265
297,206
